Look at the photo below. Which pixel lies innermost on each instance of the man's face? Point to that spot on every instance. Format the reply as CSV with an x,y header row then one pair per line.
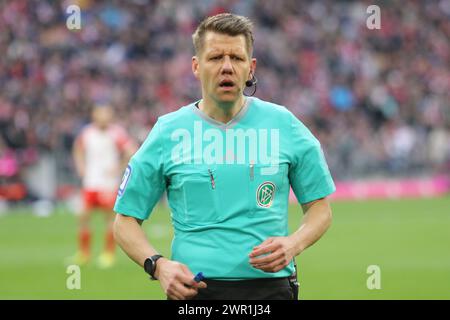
x,y
223,66
102,116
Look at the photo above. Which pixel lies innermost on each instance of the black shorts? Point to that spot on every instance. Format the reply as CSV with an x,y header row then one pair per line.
x,y
255,289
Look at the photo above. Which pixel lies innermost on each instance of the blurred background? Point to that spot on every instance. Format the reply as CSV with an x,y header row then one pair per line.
x,y
378,100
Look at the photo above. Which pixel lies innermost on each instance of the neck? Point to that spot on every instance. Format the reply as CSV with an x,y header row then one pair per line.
x,y
102,127
221,111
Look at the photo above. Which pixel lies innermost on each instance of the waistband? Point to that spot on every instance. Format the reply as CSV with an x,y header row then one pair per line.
x,y
249,283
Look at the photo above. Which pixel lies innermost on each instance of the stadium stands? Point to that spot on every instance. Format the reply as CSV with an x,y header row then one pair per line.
x,y
379,100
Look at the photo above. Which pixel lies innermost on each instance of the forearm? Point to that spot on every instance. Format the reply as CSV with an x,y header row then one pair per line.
x,y
79,166
78,158
315,223
131,238
175,278
126,156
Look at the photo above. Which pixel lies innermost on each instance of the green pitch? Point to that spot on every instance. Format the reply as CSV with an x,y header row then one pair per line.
x,y
409,240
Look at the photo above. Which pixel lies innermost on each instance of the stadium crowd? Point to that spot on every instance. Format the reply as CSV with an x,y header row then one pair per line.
x,y
379,100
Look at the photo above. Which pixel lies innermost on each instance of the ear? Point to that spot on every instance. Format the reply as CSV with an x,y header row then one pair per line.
x,y
252,68
195,67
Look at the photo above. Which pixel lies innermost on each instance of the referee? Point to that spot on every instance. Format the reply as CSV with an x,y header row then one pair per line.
x,y
227,163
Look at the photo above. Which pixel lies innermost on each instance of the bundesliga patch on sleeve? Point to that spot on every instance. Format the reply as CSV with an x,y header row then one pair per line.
x,y
125,178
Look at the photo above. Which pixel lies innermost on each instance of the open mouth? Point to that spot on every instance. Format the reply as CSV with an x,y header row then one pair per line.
x,y
226,84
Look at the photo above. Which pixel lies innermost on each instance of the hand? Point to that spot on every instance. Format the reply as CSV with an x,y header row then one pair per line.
x,y
177,280
279,253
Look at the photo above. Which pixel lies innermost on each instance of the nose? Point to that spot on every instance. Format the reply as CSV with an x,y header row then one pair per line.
x,y
227,67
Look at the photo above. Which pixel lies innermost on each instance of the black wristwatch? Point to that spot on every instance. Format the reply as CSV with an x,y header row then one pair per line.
x,y
150,265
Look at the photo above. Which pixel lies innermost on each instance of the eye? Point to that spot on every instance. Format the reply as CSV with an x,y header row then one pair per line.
x,y
215,58
237,58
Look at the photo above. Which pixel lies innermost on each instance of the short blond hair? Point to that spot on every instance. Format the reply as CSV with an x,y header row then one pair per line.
x,y
225,23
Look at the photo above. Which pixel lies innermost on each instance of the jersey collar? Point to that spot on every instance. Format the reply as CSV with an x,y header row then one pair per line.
x,y
219,124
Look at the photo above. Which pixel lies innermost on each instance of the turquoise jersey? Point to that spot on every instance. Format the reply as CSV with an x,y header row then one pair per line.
x,y
227,184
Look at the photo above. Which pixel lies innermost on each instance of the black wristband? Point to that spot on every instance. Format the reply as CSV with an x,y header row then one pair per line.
x,y
150,265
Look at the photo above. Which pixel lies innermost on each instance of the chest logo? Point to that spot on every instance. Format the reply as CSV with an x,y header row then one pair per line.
x,y
265,194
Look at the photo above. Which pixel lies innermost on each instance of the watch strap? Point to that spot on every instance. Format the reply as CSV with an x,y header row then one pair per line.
x,y
150,265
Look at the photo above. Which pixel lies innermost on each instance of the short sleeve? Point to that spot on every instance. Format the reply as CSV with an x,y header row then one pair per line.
x,y
142,183
309,175
122,139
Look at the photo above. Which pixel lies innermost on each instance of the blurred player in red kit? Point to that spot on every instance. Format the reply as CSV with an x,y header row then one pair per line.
x,y
100,153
